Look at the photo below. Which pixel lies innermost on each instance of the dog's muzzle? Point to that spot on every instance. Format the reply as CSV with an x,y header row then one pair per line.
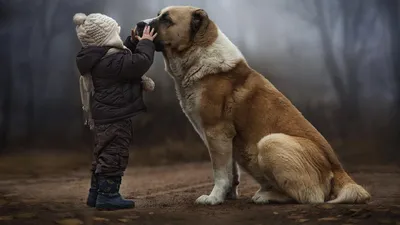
x,y
153,24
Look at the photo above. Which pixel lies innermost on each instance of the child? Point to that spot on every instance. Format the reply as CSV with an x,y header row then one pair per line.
x,y
113,75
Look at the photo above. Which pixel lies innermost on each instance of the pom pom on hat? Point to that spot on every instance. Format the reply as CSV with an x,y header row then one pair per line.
x,y
79,18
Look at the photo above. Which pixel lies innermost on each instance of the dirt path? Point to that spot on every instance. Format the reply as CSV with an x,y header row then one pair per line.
x,y
165,195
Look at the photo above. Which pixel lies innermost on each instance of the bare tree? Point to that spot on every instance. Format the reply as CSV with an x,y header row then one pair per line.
x,y
48,27
6,77
390,10
353,19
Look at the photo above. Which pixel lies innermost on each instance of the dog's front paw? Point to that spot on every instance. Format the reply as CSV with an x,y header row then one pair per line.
x,y
208,200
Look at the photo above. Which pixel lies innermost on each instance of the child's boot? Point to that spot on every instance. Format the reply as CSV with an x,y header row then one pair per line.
x,y
91,199
108,197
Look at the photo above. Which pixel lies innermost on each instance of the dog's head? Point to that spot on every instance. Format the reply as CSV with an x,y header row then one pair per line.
x,y
180,27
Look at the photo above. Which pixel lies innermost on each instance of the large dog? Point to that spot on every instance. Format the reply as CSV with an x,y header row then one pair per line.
x,y
244,120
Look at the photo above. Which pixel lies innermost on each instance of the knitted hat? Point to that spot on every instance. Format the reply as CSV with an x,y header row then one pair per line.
x,y
97,30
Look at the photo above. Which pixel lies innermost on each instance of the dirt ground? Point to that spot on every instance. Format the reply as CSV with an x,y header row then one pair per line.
x,y
166,195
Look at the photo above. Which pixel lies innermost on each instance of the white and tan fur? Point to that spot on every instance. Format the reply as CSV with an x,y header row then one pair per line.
x,y
244,120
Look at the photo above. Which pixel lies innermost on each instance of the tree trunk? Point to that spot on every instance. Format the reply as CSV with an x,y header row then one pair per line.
x,y
393,10
331,64
30,106
352,14
394,26
6,88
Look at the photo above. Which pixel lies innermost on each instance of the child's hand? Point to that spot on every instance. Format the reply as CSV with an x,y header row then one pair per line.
x,y
147,34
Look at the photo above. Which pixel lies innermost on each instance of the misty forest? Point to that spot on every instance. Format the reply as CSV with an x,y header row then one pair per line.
x,y
337,61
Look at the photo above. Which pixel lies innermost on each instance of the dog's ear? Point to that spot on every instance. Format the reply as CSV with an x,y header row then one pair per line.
x,y
199,18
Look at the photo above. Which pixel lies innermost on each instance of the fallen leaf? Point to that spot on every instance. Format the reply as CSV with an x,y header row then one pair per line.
x,y
275,213
100,219
302,220
69,222
123,220
151,213
26,215
133,217
5,218
292,211
354,210
328,219
295,217
325,206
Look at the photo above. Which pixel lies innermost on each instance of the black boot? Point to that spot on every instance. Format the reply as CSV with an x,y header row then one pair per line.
x,y
108,197
91,199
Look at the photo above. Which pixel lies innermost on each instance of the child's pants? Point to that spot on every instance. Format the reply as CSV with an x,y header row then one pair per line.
x,y
111,148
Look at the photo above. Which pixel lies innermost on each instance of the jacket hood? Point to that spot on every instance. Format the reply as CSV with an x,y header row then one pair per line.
x,y
88,57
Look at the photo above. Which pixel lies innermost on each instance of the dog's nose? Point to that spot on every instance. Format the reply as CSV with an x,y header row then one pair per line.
x,y
141,24
148,21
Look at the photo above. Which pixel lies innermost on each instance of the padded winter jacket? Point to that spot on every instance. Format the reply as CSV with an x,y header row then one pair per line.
x,y
117,79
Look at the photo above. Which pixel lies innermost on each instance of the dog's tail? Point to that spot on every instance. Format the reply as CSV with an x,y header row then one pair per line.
x,y
345,190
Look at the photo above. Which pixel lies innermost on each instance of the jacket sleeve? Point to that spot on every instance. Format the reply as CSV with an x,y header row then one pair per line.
x,y
135,65
131,44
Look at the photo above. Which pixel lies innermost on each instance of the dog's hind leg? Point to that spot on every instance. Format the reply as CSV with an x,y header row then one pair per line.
x,y
296,166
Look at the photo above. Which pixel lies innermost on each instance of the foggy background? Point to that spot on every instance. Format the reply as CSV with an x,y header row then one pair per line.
x,y
336,60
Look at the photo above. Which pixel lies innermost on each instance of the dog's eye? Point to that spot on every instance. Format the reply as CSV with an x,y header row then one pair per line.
x,y
164,16
166,19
